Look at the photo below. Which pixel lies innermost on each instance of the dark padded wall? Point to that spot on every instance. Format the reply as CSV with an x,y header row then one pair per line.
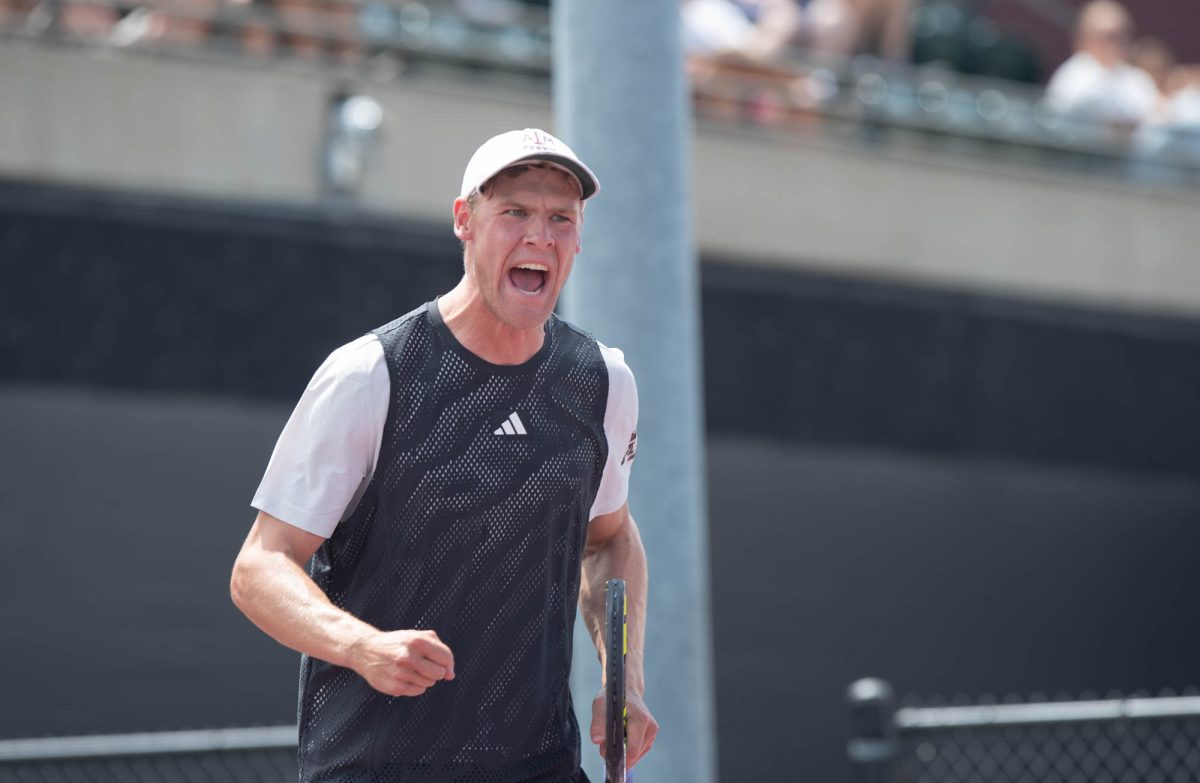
x,y
122,514
944,576
849,362
184,297
172,296
957,492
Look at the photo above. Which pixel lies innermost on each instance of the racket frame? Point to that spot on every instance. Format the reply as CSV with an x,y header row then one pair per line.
x,y
616,641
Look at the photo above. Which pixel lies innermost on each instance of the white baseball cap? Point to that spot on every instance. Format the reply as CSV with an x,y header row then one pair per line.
x,y
509,149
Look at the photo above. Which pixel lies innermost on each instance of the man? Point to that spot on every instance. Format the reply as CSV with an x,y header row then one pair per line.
x,y
458,477
1097,85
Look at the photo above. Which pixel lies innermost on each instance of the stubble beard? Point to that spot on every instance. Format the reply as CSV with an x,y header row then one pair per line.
x,y
492,298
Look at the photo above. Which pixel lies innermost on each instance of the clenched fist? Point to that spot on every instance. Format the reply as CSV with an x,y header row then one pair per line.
x,y
641,731
403,663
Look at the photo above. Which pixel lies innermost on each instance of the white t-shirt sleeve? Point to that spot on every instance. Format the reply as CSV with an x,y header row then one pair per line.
x,y
327,452
620,428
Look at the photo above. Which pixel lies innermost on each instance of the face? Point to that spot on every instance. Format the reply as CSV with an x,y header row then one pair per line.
x,y
520,241
1106,32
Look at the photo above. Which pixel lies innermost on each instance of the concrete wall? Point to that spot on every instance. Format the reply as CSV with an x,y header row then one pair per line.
x,y
970,223
81,116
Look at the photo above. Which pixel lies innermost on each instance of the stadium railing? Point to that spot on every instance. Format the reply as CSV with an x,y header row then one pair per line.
x,y
1114,740
265,754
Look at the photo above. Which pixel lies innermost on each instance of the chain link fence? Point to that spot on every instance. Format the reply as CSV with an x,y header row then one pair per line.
x,y
1116,740
250,755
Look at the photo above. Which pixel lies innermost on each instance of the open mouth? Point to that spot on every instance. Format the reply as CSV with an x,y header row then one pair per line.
x,y
528,278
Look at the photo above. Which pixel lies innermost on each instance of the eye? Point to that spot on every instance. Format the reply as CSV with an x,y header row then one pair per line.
x,y
561,219
516,212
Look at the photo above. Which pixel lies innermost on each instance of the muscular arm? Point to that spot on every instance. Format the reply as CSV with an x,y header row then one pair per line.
x,y
614,551
270,586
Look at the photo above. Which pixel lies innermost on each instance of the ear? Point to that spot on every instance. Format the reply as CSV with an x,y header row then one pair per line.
x,y
462,219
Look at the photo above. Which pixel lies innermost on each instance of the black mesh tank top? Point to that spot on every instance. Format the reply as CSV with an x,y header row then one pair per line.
x,y
473,525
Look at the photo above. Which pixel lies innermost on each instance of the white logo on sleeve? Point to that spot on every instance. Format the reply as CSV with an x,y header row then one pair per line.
x,y
511,426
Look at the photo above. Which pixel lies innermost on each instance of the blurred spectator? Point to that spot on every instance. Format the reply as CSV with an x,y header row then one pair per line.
x,y
316,29
1171,132
849,27
1156,59
828,27
756,30
1097,84
85,20
251,25
166,22
245,25
178,23
733,50
14,12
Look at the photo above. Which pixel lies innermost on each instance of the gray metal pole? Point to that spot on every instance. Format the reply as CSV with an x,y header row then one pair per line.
x,y
873,747
621,103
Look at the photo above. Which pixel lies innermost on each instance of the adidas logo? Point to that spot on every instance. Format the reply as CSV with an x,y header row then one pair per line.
x,y
511,426
631,450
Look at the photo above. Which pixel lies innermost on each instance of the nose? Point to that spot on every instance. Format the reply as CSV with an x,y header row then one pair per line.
x,y
539,233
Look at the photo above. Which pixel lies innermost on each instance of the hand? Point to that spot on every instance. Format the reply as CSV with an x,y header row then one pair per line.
x,y
403,663
641,727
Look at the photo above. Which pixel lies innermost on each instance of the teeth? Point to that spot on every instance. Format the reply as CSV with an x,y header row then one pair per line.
x,y
536,267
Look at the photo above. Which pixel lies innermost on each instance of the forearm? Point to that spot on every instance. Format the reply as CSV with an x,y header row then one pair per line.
x,y
276,594
619,557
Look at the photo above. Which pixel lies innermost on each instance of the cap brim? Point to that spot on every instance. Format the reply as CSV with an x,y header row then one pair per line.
x,y
588,185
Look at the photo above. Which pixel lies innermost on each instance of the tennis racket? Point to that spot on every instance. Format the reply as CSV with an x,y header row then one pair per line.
x,y
617,641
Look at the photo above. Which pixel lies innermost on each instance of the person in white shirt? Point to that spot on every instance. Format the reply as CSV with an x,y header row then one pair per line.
x,y
1097,85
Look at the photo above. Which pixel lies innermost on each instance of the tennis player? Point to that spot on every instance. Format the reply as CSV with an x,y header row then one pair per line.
x,y
458,480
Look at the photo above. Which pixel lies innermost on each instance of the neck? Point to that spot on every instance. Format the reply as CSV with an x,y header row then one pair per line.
x,y
1105,61
482,333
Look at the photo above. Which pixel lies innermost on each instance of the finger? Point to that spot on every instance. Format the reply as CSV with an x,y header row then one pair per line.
x,y
633,746
416,680
402,689
651,735
433,648
413,678
635,750
428,669
597,729
642,733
